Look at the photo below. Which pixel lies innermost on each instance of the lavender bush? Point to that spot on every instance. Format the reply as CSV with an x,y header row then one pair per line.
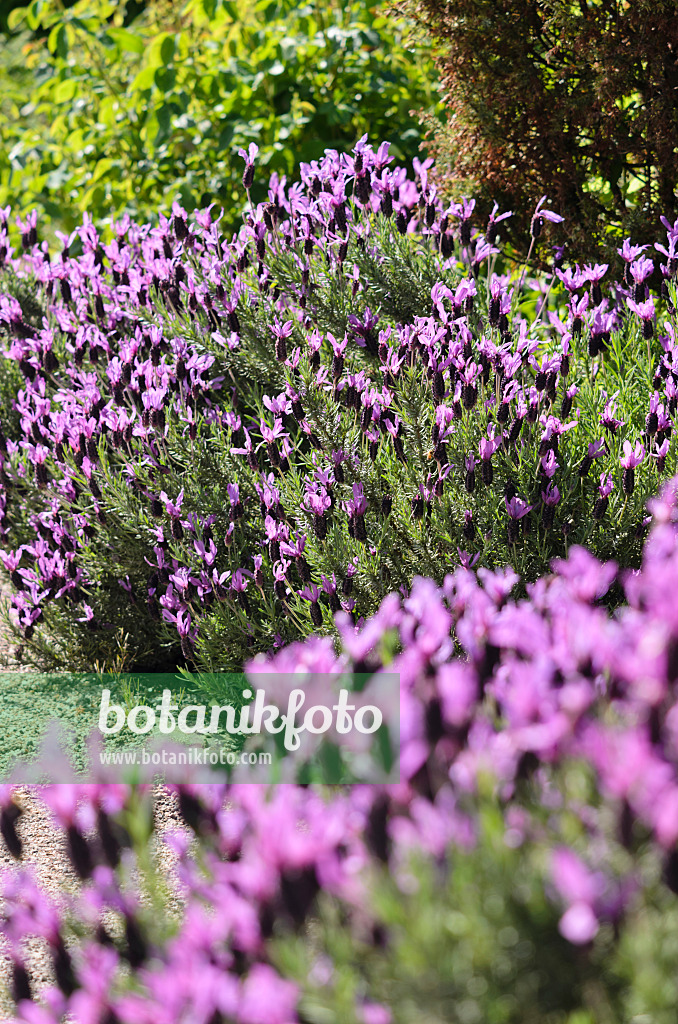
x,y
524,869
213,446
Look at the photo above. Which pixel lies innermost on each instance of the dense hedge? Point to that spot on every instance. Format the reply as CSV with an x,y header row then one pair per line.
x,y
573,99
108,107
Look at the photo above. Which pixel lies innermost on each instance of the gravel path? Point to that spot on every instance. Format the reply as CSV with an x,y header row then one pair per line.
x,y
45,853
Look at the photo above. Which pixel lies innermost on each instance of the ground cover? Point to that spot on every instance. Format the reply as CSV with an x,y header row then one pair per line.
x,y
32,704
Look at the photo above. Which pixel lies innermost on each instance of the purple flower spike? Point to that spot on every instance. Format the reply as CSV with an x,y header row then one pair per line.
x,y
173,507
632,457
358,504
249,157
517,509
540,215
629,460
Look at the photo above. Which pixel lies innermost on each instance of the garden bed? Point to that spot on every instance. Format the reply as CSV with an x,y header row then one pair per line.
x,y
357,438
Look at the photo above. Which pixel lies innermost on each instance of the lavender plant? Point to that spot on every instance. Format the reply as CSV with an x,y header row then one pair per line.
x,y
524,868
218,444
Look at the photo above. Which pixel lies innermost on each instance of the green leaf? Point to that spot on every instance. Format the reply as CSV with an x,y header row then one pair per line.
x,y
167,49
65,91
127,41
165,79
64,40
33,14
88,26
58,41
102,167
15,17
162,49
164,119
203,12
144,80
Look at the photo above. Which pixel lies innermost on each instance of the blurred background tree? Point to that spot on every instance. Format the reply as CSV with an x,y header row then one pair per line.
x,y
578,100
108,107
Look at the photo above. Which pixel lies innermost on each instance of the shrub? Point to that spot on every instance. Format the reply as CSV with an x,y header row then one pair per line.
x,y
103,114
524,869
243,437
574,100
